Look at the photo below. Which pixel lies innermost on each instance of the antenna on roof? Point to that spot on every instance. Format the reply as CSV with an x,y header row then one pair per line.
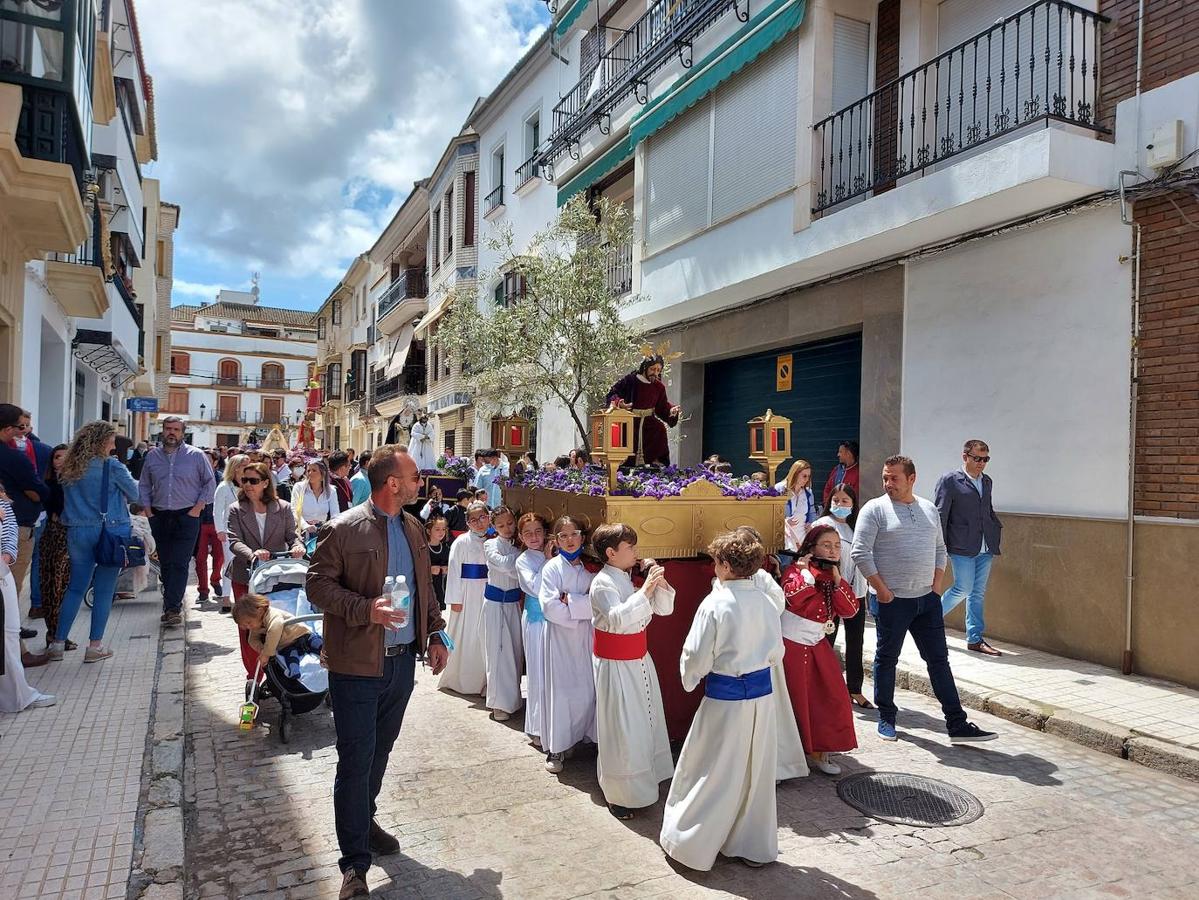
x,y
254,278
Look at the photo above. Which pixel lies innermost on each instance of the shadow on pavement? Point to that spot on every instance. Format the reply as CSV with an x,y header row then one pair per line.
x,y
773,882
411,879
1028,768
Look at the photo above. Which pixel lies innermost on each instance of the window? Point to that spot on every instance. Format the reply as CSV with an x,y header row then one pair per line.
x,y
272,411
272,376
532,134
510,289
181,364
723,156
320,328
333,381
449,221
177,401
468,211
229,371
336,312
851,61
228,408
435,239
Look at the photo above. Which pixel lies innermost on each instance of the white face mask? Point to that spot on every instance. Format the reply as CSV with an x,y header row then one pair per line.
x,y
841,512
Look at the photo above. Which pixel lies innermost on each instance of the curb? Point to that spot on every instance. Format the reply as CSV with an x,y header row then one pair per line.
x,y
1106,737
157,872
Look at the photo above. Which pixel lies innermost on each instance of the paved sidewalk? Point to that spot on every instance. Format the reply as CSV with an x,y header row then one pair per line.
x,y
73,772
1149,721
477,815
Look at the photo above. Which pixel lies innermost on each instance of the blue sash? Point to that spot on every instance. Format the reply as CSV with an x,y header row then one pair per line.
x,y
474,570
734,687
533,611
491,592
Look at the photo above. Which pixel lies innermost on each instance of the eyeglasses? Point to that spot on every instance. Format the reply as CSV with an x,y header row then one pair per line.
x,y
251,481
825,545
481,517
568,535
981,459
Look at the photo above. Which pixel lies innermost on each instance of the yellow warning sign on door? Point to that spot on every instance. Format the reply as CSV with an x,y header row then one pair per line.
x,y
783,373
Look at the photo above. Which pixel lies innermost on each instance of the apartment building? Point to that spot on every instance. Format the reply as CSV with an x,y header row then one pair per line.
x,y
78,102
239,368
345,332
904,222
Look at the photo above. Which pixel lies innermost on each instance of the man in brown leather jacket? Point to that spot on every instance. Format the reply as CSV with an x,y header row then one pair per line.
x,y
370,648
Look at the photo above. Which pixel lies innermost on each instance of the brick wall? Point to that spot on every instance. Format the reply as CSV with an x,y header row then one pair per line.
x,y
1171,48
1167,459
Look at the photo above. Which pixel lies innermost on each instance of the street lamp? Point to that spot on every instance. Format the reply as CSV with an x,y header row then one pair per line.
x,y
202,408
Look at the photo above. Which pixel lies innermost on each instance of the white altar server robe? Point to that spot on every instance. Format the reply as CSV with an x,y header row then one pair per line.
x,y
569,714
504,645
466,671
528,572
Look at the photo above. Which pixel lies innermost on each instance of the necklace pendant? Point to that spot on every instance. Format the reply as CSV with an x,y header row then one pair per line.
x,y
830,626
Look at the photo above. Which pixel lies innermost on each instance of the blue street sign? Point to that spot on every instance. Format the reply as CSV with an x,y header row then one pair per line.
x,y
142,404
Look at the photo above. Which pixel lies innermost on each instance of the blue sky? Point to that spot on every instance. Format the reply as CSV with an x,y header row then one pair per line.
x,y
289,131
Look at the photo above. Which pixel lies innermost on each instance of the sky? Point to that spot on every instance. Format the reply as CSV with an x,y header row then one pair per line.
x,y
290,131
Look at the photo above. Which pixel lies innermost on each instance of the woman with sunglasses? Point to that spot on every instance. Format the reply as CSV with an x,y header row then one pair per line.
x,y
260,525
222,503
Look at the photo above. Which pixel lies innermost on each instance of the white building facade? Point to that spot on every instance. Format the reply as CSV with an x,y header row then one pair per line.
x,y
240,369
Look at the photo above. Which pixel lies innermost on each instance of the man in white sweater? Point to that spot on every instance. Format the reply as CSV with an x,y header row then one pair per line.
x,y
899,547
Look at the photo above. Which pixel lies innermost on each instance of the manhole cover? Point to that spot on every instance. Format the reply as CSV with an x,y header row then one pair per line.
x,y
909,799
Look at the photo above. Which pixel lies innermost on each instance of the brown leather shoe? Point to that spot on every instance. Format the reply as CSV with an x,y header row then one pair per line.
x,y
382,842
984,648
353,884
33,660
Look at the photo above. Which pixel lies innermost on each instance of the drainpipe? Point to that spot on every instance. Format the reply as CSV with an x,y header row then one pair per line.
x,y
1126,663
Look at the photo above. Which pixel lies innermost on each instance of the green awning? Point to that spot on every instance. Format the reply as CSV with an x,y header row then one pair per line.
x,y
775,22
619,153
568,17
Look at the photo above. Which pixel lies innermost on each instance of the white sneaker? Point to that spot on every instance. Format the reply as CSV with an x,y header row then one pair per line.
x,y
499,715
553,763
42,700
825,766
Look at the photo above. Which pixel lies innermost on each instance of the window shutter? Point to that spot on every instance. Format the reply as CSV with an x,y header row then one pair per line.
x,y
677,178
851,61
754,151
468,225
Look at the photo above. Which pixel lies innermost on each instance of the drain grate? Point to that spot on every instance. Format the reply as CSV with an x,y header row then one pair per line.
x,y
909,799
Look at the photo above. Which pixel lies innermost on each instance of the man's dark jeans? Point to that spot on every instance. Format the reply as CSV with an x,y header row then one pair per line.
x,y
922,617
367,713
175,534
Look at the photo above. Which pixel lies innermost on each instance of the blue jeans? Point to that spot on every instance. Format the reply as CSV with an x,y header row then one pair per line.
x,y
35,568
367,713
175,534
970,574
81,548
921,616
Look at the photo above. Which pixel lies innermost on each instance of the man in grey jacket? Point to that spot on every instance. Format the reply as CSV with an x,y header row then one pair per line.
x,y
897,545
972,532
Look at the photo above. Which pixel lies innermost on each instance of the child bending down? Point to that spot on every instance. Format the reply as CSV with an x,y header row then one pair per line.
x,y
270,634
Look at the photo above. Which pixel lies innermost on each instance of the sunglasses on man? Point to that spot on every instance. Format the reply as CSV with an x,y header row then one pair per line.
x,y
979,459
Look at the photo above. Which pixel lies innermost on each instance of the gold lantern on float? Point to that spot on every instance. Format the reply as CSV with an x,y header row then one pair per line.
x,y
769,442
510,435
612,440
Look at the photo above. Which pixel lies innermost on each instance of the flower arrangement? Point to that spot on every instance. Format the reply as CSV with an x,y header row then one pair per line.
x,y
455,467
645,481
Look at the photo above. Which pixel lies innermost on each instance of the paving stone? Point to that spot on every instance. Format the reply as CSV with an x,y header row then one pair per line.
x,y
1090,732
1020,710
1180,761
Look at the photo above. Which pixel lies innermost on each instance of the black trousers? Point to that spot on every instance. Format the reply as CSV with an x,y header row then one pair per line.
x,y
175,534
855,631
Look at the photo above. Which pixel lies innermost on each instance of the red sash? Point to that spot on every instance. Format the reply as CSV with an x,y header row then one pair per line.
x,y
620,646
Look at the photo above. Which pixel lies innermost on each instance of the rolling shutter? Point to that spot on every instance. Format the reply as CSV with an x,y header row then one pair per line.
x,y
677,178
851,61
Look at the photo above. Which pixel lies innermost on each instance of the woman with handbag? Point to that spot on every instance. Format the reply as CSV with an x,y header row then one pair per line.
x,y
260,525
96,494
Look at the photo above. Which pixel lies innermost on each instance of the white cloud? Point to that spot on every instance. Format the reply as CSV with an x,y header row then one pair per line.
x,y
204,293
281,122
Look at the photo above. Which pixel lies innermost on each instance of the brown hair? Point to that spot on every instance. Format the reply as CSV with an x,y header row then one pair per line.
x,y
562,520
384,464
247,607
740,551
975,444
815,533
532,517
909,467
263,471
500,511
610,536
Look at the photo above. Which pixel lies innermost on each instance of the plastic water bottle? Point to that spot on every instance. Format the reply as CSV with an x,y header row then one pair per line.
x,y
401,598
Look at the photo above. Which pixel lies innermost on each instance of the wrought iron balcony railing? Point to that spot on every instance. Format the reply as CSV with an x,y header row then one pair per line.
x,y
90,252
668,28
225,415
411,282
229,380
528,170
494,199
618,270
1036,66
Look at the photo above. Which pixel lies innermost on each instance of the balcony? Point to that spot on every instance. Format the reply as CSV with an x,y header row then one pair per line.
x,y
267,419
666,32
224,416
275,384
404,299
618,269
493,201
1036,68
77,279
239,381
529,170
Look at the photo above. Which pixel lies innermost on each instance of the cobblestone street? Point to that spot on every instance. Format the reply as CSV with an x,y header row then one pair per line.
x,y
477,816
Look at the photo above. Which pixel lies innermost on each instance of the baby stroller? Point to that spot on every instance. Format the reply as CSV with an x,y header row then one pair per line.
x,y
281,580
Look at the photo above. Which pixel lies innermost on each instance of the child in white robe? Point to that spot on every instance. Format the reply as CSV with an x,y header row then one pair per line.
x,y
722,797
532,530
634,749
569,714
504,646
466,672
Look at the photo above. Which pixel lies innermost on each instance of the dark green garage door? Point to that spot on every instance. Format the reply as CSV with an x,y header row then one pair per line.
x,y
823,403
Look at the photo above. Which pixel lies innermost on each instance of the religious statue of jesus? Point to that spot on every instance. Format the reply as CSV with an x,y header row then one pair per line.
x,y
643,394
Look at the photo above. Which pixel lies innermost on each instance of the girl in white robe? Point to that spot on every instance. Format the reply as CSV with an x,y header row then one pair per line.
x,y
532,530
504,646
466,580
634,749
569,714
722,797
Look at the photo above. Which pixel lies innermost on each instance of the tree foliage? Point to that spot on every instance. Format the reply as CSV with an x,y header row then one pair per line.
x,y
565,337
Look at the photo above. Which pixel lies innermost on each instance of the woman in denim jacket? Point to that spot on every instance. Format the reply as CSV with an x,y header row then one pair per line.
x,y
84,514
